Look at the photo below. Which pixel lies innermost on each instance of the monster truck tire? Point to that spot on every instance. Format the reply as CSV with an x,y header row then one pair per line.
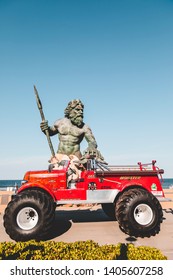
x,y
47,199
109,210
139,213
28,216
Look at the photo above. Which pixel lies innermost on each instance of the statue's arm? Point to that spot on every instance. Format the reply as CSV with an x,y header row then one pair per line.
x,y
51,129
90,137
92,147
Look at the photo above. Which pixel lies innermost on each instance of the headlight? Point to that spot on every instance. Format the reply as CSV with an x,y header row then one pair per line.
x,y
23,182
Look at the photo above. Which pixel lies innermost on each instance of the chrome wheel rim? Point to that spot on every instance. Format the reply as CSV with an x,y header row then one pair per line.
x,y
143,214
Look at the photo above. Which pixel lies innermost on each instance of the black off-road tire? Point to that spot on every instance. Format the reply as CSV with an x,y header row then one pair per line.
x,y
29,215
109,210
139,213
51,205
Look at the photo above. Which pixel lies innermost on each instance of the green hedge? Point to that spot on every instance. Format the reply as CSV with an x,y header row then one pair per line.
x,y
80,250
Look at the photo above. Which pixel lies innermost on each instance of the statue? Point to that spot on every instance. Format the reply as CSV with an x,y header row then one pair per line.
x,y
71,131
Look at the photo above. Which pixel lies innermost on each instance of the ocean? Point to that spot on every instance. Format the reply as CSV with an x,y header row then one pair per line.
x,y
10,184
6,185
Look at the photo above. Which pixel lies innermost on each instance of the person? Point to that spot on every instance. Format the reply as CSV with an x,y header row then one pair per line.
x,y
71,131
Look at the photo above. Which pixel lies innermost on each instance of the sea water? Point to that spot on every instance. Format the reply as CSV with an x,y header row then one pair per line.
x,y
9,185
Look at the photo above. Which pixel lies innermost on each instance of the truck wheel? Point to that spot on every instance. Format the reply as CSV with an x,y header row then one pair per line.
x,y
28,216
139,213
109,210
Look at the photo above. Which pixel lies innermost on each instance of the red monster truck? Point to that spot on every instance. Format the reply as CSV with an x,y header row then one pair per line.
x,y
128,194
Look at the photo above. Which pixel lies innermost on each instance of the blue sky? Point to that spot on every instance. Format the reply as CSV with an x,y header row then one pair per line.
x,y
116,56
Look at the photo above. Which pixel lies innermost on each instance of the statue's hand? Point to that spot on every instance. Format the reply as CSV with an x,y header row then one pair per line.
x,y
99,157
92,152
44,126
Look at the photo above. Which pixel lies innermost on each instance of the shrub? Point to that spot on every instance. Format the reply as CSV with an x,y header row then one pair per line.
x,y
79,250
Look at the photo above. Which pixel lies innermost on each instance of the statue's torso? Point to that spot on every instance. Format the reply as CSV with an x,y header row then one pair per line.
x,y
70,136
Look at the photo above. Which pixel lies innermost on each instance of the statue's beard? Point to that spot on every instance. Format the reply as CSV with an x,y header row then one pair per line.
x,y
77,120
